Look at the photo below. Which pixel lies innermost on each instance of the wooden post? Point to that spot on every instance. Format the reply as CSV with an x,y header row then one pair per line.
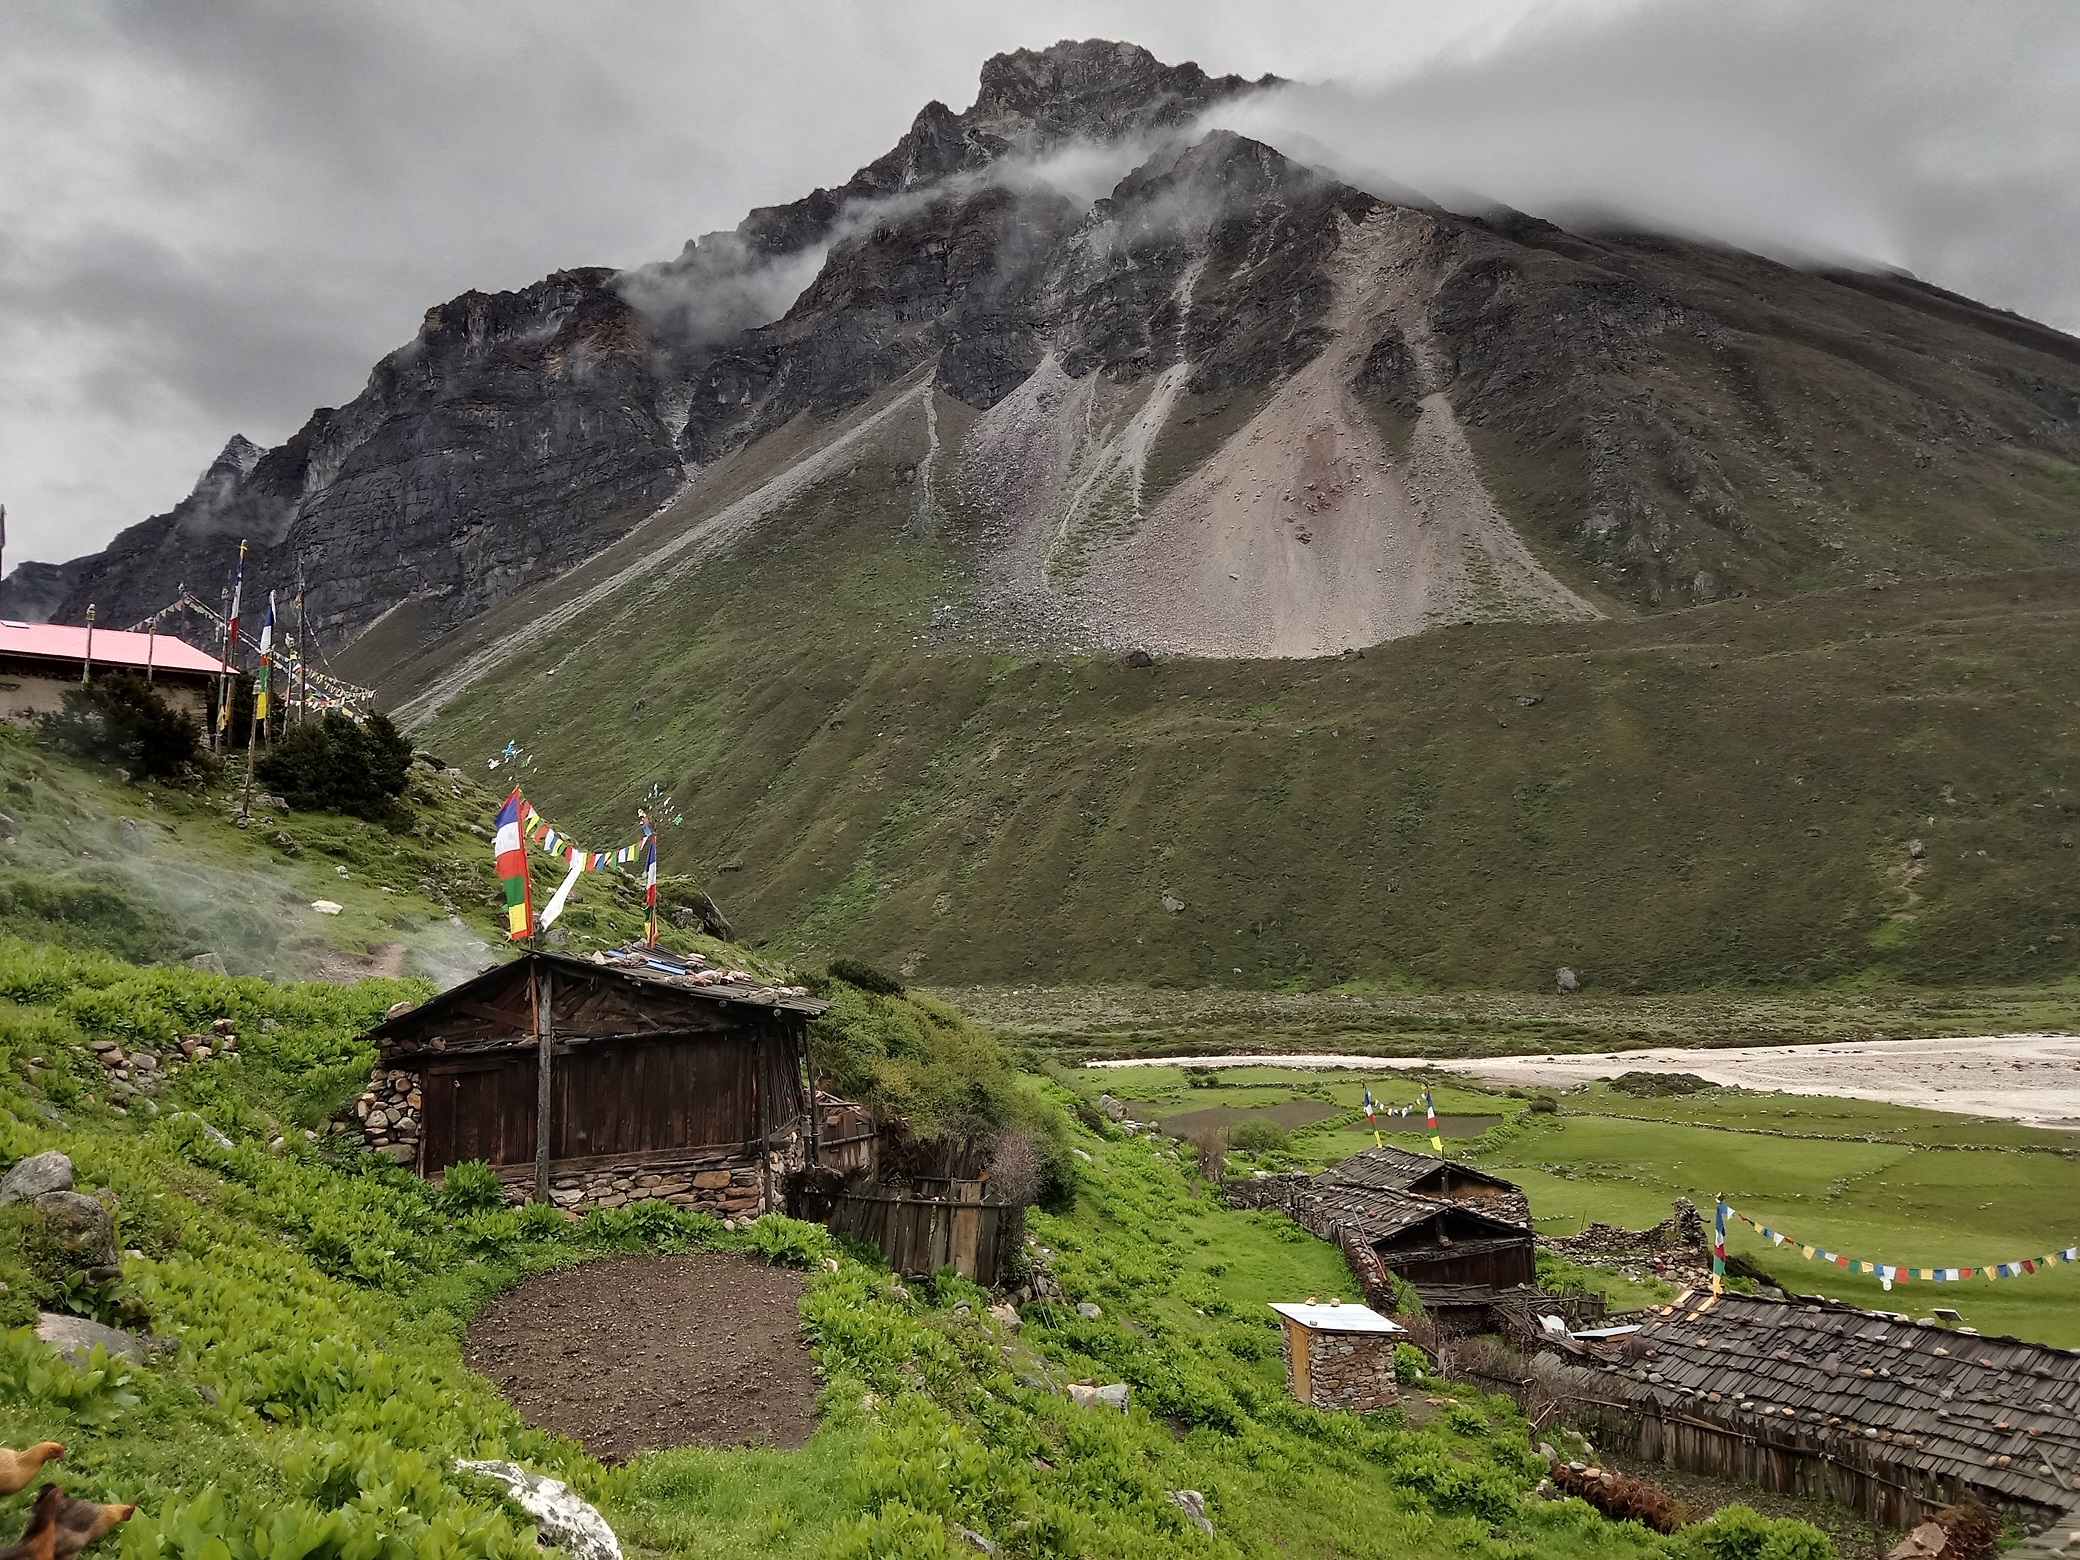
x,y
86,665
543,992
762,1082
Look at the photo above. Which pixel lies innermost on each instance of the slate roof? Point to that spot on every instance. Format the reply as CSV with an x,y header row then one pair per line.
x,y
1998,1413
658,968
1396,1169
1372,1214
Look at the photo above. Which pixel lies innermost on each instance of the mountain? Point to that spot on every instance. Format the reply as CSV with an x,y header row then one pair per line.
x,y
1002,544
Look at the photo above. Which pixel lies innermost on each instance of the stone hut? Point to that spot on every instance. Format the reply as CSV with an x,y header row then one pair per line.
x,y
1340,1356
602,1080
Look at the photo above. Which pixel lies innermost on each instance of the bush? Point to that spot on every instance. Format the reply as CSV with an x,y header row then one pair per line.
x,y
1742,1533
1258,1137
470,1187
335,764
121,719
857,972
1410,1363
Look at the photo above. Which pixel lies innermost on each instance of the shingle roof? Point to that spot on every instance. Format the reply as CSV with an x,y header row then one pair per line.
x,y
1373,1214
1997,1412
1396,1169
112,647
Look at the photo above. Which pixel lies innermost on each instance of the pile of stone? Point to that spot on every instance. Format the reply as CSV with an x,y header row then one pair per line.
x,y
389,1110
142,1070
1676,1249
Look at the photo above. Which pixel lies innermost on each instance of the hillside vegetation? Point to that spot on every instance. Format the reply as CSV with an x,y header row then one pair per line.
x,y
1727,796
317,1297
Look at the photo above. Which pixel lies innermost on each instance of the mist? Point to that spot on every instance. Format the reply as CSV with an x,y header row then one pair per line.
x,y
1940,142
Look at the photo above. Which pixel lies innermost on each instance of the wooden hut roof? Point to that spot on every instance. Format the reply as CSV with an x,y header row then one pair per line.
x,y
1998,1413
1396,1169
651,973
1373,1214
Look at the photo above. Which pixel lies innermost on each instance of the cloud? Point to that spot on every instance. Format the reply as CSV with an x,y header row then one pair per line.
x,y
1936,139
218,214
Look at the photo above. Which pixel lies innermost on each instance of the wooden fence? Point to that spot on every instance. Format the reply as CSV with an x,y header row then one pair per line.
x,y
921,1235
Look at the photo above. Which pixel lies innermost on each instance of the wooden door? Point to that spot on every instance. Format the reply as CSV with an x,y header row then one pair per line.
x,y
478,1109
647,1096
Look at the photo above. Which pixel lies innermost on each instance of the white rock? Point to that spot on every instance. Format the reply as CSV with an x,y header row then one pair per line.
x,y
1007,1313
49,1171
562,1519
1088,1310
327,906
1193,1505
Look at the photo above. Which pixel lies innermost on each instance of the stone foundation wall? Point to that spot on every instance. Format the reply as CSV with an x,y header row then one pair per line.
x,y
1679,1235
731,1188
389,1113
1352,1371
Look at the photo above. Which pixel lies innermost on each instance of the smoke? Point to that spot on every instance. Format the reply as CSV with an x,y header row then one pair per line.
x,y
1941,141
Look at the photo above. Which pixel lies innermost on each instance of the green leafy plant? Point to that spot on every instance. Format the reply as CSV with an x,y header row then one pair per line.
x,y
119,718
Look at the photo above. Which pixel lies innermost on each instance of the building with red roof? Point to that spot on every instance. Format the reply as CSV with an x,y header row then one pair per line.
x,y
40,661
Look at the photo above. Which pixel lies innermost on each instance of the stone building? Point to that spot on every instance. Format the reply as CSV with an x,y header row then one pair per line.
x,y
662,1078
1340,1356
41,662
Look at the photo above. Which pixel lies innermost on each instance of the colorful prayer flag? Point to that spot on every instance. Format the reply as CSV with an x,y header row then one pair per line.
x,y
509,851
650,874
260,686
1430,1113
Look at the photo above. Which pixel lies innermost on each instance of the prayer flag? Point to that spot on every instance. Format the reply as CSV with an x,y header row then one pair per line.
x,y
650,874
260,687
1430,1113
509,851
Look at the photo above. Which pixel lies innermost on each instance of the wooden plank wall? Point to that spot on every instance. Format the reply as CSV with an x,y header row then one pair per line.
x,y
921,1235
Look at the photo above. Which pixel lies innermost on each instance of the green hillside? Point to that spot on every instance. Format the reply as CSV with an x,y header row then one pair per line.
x,y
1720,797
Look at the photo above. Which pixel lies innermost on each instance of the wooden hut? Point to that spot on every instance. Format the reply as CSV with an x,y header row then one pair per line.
x,y
1422,1239
1812,1397
602,1080
1393,1169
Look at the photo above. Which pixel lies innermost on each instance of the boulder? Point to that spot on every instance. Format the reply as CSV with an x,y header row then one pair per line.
x,y
1193,1505
49,1171
1111,1108
1008,1315
81,1225
73,1336
1113,1396
1088,1310
1568,982
1172,903
1916,849
212,962
327,906
563,1520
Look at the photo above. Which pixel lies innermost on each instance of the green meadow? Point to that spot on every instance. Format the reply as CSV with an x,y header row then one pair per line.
x,y
1883,1183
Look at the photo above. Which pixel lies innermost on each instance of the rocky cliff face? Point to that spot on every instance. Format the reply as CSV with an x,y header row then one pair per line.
x,y
1203,404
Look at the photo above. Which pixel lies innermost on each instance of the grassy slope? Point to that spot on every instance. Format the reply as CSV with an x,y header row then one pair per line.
x,y
1881,1182
155,872
319,1298
1721,797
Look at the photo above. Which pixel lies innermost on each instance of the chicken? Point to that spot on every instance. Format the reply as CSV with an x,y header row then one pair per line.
x,y
80,1522
19,1469
39,1540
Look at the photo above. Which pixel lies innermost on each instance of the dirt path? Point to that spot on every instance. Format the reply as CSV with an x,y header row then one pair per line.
x,y
2031,1078
632,1354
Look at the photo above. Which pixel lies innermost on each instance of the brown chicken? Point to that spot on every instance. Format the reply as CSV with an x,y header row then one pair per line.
x,y
40,1540
80,1522
19,1469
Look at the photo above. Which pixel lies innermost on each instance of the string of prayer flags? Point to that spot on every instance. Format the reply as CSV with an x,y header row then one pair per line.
x,y
1887,1273
509,853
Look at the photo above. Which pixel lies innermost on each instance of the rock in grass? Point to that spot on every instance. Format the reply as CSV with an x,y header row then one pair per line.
x,y
1007,1314
563,1520
81,1226
73,1336
975,1540
1568,982
212,963
49,1171
1193,1505
1088,1310
1114,1395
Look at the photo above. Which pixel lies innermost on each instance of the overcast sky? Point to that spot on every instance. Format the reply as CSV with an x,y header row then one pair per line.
x,y
217,214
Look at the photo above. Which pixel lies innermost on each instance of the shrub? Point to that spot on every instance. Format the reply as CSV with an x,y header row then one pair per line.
x,y
1259,1137
121,719
1410,1363
1742,1533
335,764
470,1187
857,972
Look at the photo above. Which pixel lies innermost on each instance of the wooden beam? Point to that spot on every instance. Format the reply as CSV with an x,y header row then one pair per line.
x,y
544,991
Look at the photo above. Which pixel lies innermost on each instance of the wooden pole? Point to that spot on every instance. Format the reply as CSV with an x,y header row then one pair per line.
x,y
544,1025
86,665
245,805
303,652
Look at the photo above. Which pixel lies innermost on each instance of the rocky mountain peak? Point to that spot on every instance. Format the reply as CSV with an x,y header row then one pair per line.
x,y
234,463
1096,87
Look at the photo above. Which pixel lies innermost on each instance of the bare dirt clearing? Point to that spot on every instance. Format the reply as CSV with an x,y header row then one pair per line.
x,y
634,1354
